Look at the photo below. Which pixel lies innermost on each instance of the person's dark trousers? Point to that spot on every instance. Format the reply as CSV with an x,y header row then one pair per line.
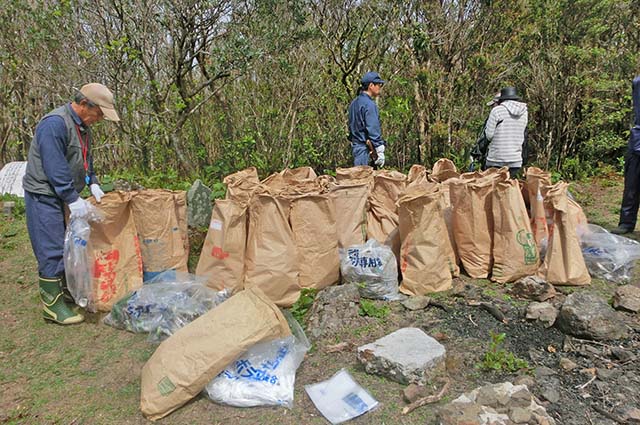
x,y
631,195
360,153
45,224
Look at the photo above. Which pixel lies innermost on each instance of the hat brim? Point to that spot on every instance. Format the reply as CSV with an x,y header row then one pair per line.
x,y
110,114
509,98
379,81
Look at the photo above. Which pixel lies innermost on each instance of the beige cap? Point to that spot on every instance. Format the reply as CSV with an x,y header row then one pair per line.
x,y
101,96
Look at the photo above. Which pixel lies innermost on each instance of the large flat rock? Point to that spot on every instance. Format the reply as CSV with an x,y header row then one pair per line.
x,y
407,355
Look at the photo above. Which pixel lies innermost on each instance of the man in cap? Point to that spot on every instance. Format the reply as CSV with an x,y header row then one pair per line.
x,y
59,166
506,130
365,134
631,194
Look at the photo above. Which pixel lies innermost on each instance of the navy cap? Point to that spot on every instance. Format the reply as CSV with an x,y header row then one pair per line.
x,y
371,77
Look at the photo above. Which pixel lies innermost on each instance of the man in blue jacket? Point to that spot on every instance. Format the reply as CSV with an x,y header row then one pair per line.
x,y
631,194
59,166
365,134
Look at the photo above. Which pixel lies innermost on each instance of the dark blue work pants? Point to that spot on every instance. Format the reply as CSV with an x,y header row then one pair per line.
x,y
631,195
360,153
45,223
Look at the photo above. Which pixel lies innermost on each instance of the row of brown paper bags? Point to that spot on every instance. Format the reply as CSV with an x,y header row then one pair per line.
x,y
282,234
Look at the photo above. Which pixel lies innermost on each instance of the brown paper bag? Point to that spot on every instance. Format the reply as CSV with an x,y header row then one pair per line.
x,y
443,170
300,173
415,172
515,253
382,225
185,363
536,181
222,257
350,204
241,185
355,175
563,263
472,224
427,259
271,259
117,262
161,230
387,187
313,222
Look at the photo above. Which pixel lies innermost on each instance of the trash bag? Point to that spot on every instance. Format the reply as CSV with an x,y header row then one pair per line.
x,y
164,304
265,374
608,256
78,263
340,398
373,268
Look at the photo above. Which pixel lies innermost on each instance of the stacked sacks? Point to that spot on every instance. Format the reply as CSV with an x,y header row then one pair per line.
x,y
161,222
427,260
350,205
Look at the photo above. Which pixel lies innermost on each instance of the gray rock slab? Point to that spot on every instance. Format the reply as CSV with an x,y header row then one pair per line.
x,y
627,297
588,315
407,355
416,303
533,288
543,312
199,205
334,309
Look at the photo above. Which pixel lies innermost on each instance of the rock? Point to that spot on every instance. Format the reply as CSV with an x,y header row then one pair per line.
x,y
544,312
622,354
416,303
551,394
414,392
407,355
627,297
632,415
199,205
525,380
543,371
496,404
333,309
587,315
533,288
604,373
567,364
520,415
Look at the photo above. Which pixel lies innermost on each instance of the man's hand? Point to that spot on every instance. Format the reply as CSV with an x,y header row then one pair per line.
x,y
97,192
79,208
380,153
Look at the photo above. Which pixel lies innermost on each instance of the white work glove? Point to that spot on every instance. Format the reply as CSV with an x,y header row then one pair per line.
x,y
380,151
79,208
96,191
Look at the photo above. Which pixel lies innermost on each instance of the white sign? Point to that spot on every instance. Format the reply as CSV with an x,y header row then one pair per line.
x,y
11,178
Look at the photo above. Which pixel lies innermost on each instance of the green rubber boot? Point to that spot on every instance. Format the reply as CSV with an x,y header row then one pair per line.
x,y
54,307
66,294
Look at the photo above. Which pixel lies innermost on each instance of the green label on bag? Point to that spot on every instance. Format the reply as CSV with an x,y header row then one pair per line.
x,y
526,240
165,386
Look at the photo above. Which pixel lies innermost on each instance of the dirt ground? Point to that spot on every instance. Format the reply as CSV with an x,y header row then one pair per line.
x,y
90,373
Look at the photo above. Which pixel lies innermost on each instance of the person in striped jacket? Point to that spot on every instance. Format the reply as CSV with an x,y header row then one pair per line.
x,y
506,130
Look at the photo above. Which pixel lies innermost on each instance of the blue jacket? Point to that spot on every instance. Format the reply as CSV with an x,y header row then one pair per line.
x,y
634,137
364,121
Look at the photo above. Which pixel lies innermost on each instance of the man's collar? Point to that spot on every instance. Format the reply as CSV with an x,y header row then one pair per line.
x,y
75,116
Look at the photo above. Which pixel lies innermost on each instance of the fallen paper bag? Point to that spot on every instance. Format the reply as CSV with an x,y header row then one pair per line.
x,y
182,365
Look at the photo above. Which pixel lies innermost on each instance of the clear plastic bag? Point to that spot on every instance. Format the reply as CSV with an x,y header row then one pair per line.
x,y
608,256
78,266
373,268
340,398
264,375
165,304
